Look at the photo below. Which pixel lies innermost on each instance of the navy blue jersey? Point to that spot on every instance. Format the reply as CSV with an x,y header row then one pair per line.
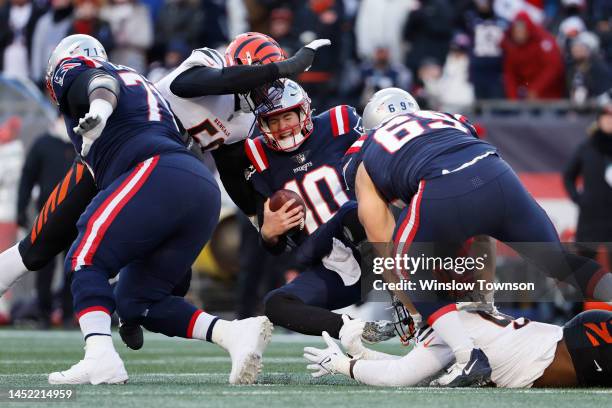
x,y
313,170
141,126
415,146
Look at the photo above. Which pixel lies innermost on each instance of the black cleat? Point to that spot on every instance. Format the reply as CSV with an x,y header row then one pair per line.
x,y
131,334
475,373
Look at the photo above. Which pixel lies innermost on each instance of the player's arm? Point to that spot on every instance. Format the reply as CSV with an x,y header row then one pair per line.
x,y
379,223
100,90
203,80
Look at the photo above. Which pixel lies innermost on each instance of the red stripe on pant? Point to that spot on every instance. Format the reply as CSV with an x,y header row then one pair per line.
x,y
115,211
441,312
92,309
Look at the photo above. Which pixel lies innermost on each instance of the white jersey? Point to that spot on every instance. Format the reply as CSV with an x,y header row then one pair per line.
x,y
519,350
211,120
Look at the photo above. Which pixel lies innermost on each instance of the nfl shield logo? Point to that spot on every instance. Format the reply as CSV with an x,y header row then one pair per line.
x,y
300,158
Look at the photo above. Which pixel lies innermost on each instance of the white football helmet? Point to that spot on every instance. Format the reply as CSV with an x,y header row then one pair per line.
x,y
77,45
385,104
289,97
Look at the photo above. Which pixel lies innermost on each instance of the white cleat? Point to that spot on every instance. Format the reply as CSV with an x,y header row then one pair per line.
x,y
107,368
246,340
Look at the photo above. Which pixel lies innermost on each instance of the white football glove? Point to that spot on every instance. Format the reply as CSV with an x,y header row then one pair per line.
x,y
91,125
330,360
316,44
350,336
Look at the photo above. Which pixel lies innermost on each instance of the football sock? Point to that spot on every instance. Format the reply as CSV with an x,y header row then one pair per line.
x,y
11,267
96,329
205,326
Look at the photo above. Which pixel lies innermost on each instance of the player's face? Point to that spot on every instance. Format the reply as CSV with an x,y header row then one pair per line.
x,y
605,122
284,125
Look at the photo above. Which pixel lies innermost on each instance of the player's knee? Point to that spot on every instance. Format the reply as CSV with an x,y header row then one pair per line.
x,y
128,309
276,305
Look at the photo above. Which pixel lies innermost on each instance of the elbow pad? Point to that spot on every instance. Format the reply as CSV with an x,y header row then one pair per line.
x,y
105,81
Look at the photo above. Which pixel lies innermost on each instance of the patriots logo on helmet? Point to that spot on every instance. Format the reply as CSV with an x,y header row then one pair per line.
x,y
62,70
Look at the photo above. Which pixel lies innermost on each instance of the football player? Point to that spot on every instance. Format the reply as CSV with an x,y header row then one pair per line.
x,y
433,162
302,153
522,353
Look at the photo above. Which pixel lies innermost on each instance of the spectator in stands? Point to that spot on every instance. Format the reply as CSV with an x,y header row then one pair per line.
x,y
49,31
380,72
381,22
593,162
428,31
450,90
17,22
176,52
320,19
426,90
533,65
601,12
215,28
87,21
588,75
486,32
46,163
132,30
179,20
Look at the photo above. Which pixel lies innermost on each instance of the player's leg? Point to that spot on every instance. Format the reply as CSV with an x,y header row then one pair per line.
x,y
588,338
431,221
131,332
186,214
54,229
111,232
304,305
529,230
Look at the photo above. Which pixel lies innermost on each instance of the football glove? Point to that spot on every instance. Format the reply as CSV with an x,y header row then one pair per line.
x,y
330,360
91,125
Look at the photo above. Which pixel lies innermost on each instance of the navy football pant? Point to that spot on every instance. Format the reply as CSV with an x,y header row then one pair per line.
x,y
304,304
150,223
488,198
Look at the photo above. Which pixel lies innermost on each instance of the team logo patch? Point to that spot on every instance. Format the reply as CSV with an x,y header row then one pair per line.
x,y
300,158
62,70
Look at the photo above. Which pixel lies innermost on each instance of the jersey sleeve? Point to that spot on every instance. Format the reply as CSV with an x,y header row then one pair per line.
x,y
256,154
345,123
67,72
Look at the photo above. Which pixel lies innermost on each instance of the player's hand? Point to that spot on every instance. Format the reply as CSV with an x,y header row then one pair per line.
x,y
316,44
90,127
330,360
350,336
277,223
302,60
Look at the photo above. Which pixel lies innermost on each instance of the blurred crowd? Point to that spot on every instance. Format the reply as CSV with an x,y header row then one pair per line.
x,y
450,53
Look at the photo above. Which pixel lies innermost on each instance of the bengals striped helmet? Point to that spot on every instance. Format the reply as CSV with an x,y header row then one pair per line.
x,y
253,48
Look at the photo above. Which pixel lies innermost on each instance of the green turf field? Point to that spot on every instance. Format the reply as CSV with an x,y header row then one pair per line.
x,y
176,373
